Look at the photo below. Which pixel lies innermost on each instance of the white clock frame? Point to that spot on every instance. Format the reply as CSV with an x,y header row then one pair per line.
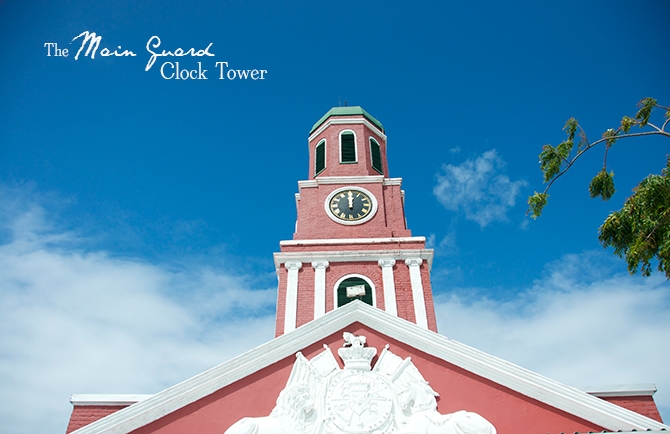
x,y
371,214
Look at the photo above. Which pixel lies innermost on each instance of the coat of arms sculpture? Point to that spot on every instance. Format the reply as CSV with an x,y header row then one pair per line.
x,y
391,398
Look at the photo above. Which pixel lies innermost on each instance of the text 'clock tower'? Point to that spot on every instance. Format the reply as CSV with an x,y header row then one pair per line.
x,y
351,239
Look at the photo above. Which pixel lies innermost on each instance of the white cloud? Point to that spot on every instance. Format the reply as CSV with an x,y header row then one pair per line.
x,y
478,188
576,325
85,322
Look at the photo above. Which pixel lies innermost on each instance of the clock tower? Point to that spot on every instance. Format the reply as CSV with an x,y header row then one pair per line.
x,y
351,239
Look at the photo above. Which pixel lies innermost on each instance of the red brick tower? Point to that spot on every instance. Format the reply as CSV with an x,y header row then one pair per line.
x,y
351,239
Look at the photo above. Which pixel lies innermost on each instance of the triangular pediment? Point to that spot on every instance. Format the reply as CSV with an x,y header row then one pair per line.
x,y
514,399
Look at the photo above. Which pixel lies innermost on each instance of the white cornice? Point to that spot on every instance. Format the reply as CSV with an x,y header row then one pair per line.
x,y
528,383
355,256
345,121
392,181
311,183
107,399
336,241
372,179
639,389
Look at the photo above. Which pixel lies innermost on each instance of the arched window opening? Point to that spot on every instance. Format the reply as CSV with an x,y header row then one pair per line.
x,y
348,147
376,156
354,288
320,157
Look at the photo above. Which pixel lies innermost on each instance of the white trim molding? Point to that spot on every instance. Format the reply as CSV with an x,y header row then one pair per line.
x,y
390,304
327,180
319,287
355,146
107,399
346,121
372,179
291,312
417,291
392,181
335,241
638,389
354,256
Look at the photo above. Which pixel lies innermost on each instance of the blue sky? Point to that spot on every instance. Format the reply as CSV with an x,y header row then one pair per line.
x,y
138,215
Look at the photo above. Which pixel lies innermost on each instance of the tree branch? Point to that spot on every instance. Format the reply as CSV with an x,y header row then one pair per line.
x,y
597,142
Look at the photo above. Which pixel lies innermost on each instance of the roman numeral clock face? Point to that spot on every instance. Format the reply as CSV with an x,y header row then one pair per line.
x,y
351,205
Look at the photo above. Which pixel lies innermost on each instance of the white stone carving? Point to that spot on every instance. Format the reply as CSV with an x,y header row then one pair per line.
x,y
391,398
294,413
419,404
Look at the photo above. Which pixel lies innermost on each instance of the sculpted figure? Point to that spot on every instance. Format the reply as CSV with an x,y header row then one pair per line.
x,y
418,402
295,410
352,340
320,397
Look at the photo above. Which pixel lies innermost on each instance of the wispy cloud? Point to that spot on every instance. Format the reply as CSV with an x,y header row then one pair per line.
x,y
577,325
75,321
478,188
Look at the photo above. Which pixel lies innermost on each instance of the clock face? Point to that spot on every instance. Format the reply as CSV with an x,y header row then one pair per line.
x,y
351,205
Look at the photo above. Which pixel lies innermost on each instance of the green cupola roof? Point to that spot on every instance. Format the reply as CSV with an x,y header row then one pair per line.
x,y
347,111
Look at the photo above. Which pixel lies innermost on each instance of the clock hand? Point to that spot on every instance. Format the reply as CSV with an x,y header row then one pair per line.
x,y
350,198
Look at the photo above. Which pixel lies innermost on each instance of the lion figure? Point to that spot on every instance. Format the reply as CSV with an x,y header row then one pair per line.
x,y
420,406
295,410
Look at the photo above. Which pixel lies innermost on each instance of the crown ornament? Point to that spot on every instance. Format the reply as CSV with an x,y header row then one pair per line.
x,y
355,354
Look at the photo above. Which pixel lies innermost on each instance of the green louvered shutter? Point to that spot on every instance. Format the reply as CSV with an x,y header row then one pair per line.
x,y
342,298
348,148
376,154
320,158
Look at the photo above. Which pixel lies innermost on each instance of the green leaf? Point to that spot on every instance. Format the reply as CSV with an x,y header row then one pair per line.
x,y
564,149
646,105
610,137
536,203
626,123
602,185
640,231
570,128
550,162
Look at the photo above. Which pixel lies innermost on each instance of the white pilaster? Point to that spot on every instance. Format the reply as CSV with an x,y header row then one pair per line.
x,y
291,295
389,285
319,288
417,291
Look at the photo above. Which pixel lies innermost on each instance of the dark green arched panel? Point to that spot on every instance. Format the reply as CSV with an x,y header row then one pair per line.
x,y
347,147
320,157
376,155
342,298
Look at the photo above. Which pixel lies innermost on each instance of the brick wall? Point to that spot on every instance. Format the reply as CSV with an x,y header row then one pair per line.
x,y
82,415
644,405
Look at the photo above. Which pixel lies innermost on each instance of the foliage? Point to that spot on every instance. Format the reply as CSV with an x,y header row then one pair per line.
x,y
640,231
